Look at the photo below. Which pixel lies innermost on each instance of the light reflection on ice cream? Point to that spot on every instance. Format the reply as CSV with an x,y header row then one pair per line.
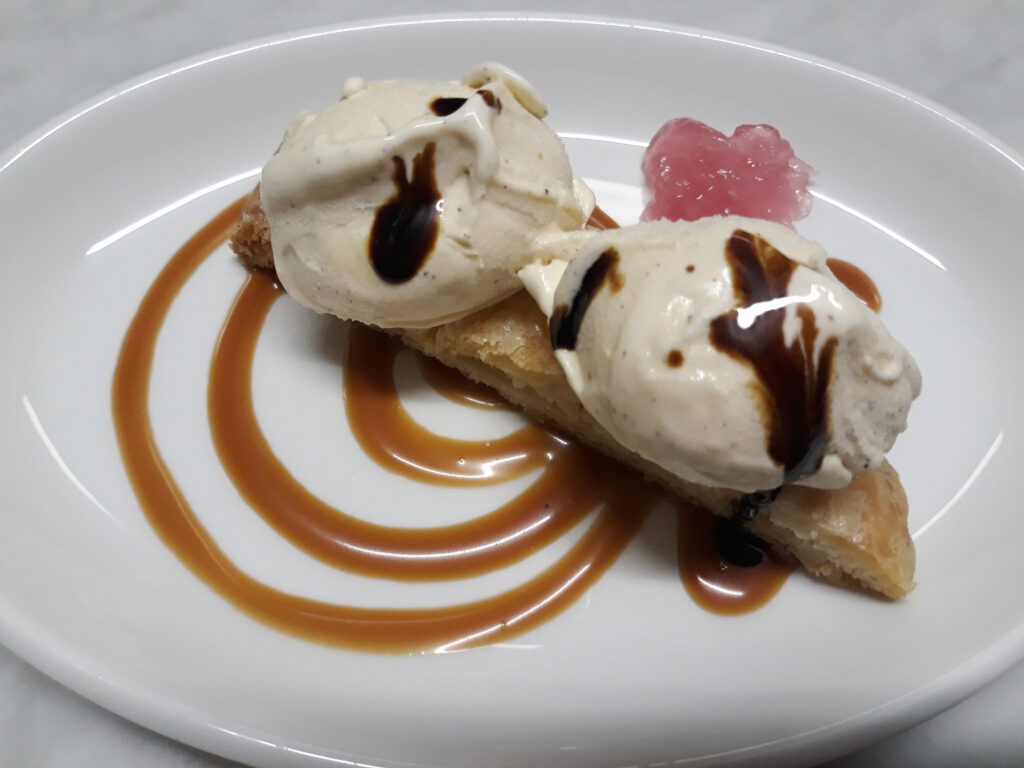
x,y
411,203
724,351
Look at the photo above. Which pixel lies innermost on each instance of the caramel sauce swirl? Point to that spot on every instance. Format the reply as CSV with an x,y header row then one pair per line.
x,y
573,481
390,436
452,385
857,281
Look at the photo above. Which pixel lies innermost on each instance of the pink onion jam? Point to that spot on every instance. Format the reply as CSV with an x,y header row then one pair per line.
x,y
695,171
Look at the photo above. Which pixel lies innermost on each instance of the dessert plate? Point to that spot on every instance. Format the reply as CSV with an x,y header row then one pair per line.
x,y
632,673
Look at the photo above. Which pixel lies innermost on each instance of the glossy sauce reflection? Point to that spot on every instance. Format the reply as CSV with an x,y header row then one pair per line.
x,y
452,385
573,481
794,375
857,281
713,580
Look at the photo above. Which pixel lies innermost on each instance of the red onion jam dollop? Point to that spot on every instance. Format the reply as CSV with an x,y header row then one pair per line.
x,y
694,171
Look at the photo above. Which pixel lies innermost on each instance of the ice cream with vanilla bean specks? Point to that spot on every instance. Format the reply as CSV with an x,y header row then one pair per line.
x,y
726,352
410,203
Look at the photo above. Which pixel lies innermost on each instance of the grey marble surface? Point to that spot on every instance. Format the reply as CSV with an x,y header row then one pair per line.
x,y
965,54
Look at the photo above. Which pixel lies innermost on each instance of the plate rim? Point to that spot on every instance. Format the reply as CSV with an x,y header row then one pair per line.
x,y
57,658
30,140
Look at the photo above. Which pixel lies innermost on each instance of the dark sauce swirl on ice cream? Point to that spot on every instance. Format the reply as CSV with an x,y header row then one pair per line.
x,y
794,391
405,227
443,106
566,319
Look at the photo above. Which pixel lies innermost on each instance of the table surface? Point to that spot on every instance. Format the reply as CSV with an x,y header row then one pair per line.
x,y
967,55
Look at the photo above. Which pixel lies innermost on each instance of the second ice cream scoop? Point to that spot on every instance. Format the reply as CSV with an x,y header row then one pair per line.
x,y
726,352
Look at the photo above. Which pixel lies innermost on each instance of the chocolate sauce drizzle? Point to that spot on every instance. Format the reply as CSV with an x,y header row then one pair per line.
x,y
723,566
405,228
751,503
794,393
443,106
736,544
566,320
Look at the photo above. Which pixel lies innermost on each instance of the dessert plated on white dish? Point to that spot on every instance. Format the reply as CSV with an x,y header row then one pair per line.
x,y
816,670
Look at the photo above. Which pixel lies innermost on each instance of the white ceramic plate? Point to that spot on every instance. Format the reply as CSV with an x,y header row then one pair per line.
x,y
94,205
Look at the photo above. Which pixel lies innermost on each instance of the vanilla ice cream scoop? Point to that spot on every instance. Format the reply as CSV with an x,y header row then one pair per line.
x,y
726,352
409,203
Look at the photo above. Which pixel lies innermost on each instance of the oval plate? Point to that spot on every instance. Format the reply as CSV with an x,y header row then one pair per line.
x,y
95,204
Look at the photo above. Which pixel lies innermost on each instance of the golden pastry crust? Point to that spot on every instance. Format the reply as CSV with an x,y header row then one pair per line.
x,y
250,238
856,535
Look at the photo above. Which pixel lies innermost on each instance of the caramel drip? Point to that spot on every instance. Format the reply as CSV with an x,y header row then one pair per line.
x,y
857,281
713,581
572,483
601,220
390,437
452,385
